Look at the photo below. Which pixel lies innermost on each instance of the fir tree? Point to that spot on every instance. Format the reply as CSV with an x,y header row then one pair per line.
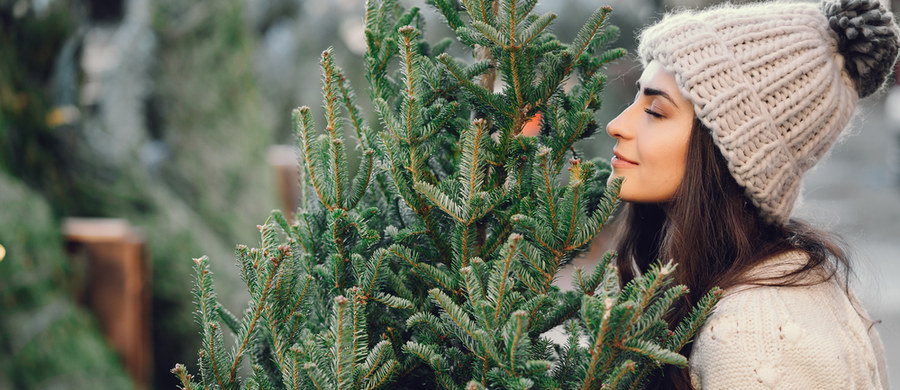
x,y
432,266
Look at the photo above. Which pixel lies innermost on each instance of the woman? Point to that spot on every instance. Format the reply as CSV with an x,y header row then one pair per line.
x,y
734,105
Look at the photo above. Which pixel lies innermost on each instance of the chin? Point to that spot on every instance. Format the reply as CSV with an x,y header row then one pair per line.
x,y
628,195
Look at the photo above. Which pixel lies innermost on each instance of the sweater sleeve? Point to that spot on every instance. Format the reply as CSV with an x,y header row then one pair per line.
x,y
784,338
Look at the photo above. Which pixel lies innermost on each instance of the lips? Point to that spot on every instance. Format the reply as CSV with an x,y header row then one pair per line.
x,y
618,160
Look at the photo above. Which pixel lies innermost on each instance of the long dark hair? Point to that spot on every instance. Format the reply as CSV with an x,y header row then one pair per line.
x,y
715,235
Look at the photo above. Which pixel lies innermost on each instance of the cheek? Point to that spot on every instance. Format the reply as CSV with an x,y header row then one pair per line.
x,y
672,177
666,159
665,153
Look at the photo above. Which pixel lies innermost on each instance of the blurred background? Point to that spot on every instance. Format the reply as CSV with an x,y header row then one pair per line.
x,y
138,134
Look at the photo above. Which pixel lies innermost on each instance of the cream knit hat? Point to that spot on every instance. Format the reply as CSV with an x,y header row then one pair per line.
x,y
775,82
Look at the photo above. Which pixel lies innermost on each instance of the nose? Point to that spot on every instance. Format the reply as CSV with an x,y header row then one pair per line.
x,y
616,128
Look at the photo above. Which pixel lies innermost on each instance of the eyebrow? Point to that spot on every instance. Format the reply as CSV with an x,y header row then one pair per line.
x,y
656,92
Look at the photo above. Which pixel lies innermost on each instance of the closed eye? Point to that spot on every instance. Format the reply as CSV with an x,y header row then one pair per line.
x,y
653,113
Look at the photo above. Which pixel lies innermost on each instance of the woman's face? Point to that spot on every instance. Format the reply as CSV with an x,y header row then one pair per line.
x,y
652,137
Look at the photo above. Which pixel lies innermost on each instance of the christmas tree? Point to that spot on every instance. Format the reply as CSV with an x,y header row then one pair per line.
x,y
433,265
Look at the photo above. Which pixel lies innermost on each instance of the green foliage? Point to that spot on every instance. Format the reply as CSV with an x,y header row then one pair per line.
x,y
46,339
197,200
201,199
208,101
31,149
433,265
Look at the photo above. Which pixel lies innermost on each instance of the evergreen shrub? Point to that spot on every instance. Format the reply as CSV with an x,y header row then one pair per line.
x,y
46,339
433,265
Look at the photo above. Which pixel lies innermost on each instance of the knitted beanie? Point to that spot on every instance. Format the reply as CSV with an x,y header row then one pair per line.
x,y
776,82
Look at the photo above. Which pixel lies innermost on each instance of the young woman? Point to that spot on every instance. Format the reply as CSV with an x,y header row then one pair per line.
x,y
734,105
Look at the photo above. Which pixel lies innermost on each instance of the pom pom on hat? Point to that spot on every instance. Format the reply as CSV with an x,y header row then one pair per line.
x,y
867,38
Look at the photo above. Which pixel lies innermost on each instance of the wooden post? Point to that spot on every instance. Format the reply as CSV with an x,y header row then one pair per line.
x,y
283,158
117,287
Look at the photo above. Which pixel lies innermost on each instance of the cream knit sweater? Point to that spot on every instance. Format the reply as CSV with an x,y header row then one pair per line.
x,y
810,337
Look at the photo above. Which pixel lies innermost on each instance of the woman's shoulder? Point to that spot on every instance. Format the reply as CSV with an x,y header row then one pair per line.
x,y
809,336
775,267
